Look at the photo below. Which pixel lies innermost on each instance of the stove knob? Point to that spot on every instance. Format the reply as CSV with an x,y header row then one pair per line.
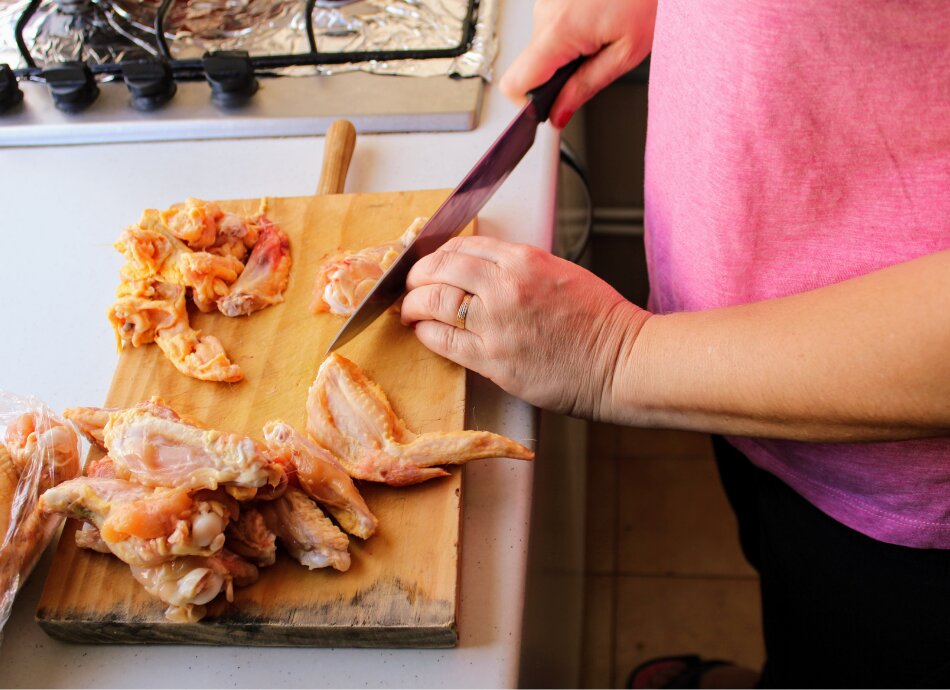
x,y
10,93
72,85
231,76
150,82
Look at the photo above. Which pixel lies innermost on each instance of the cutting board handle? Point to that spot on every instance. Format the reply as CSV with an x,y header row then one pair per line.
x,y
337,152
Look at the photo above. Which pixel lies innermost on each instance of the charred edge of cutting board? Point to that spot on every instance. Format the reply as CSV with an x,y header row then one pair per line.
x,y
388,614
252,635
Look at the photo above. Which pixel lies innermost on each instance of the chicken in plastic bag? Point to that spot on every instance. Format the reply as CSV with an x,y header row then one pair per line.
x,y
38,450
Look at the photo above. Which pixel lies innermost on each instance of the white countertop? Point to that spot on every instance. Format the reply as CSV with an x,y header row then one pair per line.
x,y
62,209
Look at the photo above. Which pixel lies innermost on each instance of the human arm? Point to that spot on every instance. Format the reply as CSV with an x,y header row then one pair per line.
x,y
867,359
617,34
863,360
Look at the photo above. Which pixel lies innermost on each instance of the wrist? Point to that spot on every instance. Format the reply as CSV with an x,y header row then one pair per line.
x,y
616,344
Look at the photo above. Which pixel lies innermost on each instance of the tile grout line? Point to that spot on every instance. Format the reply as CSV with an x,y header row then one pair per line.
x,y
684,576
614,589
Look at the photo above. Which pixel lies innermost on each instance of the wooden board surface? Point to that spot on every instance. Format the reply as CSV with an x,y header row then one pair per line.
x,y
402,587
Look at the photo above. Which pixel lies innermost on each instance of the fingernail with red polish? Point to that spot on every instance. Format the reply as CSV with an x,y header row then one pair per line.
x,y
563,119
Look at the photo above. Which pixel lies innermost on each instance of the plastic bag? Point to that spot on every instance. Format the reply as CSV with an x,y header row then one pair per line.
x,y
38,449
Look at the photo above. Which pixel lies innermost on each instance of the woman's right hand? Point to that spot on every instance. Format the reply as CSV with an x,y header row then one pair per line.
x,y
617,34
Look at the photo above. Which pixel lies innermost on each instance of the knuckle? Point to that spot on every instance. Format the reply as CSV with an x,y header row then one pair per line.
x,y
439,261
432,300
453,244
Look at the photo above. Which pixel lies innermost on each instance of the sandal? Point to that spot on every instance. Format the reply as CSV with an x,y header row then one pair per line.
x,y
689,676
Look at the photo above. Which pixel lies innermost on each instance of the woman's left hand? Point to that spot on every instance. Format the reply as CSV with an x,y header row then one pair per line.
x,y
542,328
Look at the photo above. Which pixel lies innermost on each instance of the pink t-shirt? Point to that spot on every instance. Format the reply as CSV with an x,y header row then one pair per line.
x,y
792,145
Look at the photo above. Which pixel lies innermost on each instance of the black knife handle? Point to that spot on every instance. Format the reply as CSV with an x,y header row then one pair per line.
x,y
545,95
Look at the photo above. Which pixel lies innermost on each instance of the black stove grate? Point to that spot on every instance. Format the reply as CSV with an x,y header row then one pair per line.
x,y
195,68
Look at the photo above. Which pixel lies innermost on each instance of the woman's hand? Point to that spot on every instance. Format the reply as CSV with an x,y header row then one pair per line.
x,y
540,327
618,34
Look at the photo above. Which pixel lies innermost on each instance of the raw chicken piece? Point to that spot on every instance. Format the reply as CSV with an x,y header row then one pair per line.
x,y
187,584
152,311
235,236
141,525
194,222
250,538
149,447
154,253
322,477
199,356
345,279
265,276
91,421
306,533
9,478
88,537
101,468
46,443
38,451
350,416
145,307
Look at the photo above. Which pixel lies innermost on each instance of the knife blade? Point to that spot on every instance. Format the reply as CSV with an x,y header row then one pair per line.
x,y
463,204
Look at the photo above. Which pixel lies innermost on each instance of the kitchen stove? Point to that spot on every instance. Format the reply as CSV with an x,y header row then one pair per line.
x,y
78,71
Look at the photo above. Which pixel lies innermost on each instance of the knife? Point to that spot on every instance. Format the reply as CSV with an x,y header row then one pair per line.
x,y
463,204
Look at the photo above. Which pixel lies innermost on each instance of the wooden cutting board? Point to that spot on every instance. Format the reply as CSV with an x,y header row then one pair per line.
x,y
402,588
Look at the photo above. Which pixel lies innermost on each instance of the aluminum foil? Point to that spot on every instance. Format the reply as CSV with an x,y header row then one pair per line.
x,y
101,31
9,11
88,31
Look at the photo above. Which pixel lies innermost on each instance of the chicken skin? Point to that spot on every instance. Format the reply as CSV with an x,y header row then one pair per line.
x,y
149,446
91,421
195,222
236,236
345,279
322,478
351,417
153,252
197,355
88,537
152,311
145,307
141,525
187,584
250,538
306,533
265,276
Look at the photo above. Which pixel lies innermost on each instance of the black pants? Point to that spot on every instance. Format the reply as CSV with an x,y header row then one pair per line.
x,y
839,609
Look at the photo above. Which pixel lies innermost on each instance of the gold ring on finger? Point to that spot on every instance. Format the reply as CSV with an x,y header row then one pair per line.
x,y
462,313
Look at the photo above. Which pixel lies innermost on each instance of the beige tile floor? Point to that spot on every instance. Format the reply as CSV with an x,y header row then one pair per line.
x,y
664,573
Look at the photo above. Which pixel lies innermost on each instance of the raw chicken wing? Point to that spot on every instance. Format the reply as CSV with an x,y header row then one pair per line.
x,y
306,533
345,279
322,477
149,447
141,525
351,417
91,421
264,278
187,584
